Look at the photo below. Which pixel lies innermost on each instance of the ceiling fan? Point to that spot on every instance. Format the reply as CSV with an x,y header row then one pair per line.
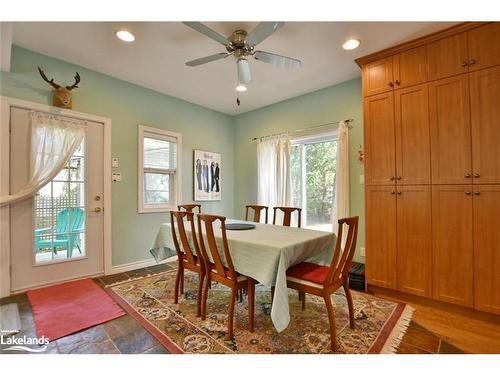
x,y
241,44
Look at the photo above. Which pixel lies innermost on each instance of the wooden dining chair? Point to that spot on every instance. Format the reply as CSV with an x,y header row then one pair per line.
x,y
189,207
287,215
323,281
256,212
221,272
186,257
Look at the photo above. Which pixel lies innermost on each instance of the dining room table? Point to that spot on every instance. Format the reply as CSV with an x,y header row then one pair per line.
x,y
263,253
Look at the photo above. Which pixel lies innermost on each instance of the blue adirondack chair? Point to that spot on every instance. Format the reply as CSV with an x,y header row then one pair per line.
x,y
69,224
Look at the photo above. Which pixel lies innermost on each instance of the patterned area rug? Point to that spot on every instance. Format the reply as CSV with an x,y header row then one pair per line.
x,y
380,324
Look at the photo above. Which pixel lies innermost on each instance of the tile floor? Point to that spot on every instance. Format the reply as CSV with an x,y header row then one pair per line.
x,y
125,335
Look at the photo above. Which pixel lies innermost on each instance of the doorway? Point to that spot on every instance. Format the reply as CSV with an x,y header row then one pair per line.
x,y
59,234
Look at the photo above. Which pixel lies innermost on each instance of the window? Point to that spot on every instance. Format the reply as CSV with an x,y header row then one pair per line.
x,y
313,168
159,169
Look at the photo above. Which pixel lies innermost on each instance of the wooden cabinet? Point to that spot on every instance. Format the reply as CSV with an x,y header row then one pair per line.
x,y
410,67
485,124
447,57
411,113
378,77
414,246
487,248
452,237
380,153
381,236
484,46
450,130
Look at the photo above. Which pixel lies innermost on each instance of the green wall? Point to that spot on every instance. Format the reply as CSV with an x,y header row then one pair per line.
x,y
129,105
334,103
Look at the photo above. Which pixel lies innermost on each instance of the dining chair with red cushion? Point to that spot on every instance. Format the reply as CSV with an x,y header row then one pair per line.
x,y
287,215
187,257
256,212
323,281
222,272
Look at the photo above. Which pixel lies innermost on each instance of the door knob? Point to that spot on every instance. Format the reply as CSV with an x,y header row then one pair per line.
x,y
464,63
393,192
467,175
397,82
399,177
97,209
472,62
467,193
399,193
392,178
97,198
477,175
391,84
477,193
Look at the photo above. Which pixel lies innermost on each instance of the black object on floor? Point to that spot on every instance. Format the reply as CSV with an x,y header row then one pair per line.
x,y
357,276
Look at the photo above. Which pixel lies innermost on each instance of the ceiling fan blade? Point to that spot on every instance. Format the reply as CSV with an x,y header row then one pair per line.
x,y
208,59
205,30
262,31
277,60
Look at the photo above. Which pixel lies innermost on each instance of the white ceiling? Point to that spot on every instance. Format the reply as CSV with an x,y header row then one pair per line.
x,y
156,58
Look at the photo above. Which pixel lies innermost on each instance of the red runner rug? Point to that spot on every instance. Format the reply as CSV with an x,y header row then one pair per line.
x,y
67,308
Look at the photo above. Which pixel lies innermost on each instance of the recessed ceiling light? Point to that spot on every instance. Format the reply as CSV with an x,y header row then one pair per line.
x,y
241,88
351,44
125,35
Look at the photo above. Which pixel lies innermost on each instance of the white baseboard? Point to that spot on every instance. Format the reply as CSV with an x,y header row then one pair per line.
x,y
139,264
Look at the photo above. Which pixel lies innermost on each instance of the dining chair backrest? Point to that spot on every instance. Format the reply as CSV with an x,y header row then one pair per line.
x,y
177,225
207,221
342,258
189,207
256,212
287,215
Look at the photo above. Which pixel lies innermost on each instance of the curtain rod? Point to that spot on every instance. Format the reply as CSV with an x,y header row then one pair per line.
x,y
348,121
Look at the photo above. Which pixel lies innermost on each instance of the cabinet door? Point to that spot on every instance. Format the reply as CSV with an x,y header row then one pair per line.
x,y
414,246
378,77
485,123
410,67
380,149
452,237
484,46
413,148
449,116
487,248
381,236
447,57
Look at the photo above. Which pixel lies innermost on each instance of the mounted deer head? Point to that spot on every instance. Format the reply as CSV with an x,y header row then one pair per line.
x,y
62,95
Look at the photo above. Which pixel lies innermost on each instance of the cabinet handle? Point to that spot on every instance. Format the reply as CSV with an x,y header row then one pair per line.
x,y
467,175
397,82
472,62
477,175
464,64
399,193
399,177
391,84
392,178
467,193
393,192
477,193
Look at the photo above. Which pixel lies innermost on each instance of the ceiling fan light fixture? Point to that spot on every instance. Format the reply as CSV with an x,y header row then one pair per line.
x,y
243,71
125,35
351,44
241,88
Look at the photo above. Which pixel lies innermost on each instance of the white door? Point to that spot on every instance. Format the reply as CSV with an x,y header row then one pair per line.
x,y
58,234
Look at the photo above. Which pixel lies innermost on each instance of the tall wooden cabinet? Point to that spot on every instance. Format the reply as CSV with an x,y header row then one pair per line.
x,y
432,166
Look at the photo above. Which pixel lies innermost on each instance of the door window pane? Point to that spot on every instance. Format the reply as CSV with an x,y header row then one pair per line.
x,y
59,214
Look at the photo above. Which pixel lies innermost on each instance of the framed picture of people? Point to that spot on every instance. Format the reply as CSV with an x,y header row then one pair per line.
x,y
207,176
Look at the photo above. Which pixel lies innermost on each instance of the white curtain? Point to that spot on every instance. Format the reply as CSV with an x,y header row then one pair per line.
x,y
341,207
53,140
273,170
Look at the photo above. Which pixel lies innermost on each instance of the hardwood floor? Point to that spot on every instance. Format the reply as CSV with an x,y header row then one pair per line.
x,y
471,332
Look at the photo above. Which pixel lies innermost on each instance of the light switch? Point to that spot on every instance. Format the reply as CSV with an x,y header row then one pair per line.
x,y
115,162
361,179
362,251
116,177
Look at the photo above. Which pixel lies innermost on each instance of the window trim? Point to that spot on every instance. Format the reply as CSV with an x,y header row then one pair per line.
x,y
162,134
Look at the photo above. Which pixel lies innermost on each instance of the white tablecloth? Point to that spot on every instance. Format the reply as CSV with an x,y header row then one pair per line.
x,y
264,254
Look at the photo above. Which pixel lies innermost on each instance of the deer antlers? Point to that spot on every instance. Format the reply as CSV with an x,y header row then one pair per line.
x,y
55,85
